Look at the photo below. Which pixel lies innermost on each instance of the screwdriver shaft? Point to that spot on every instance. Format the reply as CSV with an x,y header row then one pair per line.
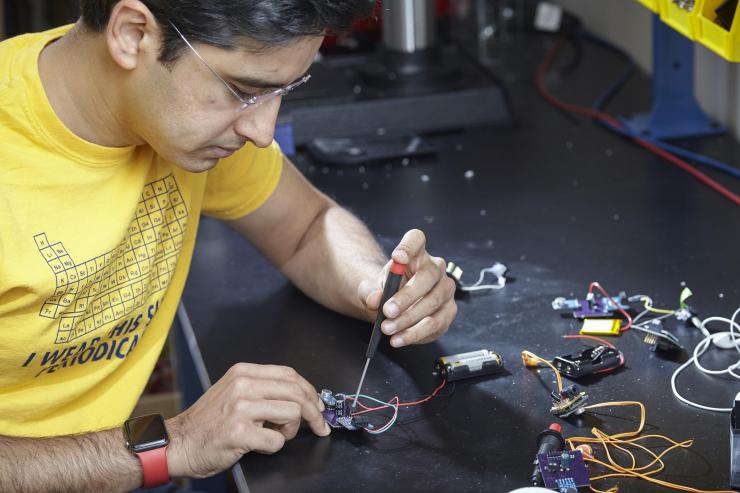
x,y
362,379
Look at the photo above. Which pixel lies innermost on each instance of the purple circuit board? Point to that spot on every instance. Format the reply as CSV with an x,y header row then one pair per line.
x,y
564,471
338,413
602,309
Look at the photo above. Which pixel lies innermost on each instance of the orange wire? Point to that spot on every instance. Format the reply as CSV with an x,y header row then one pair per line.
x,y
620,441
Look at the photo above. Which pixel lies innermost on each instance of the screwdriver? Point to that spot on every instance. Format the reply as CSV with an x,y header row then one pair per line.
x,y
392,283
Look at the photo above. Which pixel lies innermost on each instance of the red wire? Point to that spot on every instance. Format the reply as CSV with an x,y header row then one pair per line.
x,y
605,117
368,409
434,392
603,291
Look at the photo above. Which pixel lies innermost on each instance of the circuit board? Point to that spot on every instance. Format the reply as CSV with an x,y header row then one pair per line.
x,y
591,308
564,471
338,412
568,401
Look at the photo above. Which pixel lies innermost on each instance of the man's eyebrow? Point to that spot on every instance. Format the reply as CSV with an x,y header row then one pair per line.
x,y
261,83
258,83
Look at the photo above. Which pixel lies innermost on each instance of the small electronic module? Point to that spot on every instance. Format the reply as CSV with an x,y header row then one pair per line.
x,y
564,471
338,412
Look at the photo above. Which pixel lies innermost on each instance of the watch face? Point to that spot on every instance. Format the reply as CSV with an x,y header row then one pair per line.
x,y
146,433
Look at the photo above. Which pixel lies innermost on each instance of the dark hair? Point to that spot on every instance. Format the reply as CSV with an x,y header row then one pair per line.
x,y
223,23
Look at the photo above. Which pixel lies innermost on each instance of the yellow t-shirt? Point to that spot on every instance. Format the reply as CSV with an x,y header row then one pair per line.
x,y
95,246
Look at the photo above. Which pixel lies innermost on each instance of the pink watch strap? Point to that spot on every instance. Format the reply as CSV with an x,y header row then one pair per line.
x,y
154,466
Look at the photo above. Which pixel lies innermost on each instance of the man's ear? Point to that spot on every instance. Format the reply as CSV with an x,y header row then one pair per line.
x,y
132,30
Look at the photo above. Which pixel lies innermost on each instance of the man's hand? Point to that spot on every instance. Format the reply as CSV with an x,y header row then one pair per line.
x,y
251,408
424,307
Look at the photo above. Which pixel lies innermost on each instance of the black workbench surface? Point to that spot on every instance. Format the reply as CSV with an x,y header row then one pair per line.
x,y
561,203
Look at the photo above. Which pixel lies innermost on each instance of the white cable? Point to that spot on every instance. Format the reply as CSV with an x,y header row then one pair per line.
x,y
706,370
700,349
642,324
703,345
640,315
482,287
648,301
733,326
498,269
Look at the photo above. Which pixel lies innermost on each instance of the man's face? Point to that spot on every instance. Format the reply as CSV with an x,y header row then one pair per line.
x,y
188,116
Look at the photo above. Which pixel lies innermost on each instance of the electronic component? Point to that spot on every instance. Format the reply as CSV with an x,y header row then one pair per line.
x,y
663,342
549,440
592,307
586,450
601,327
568,401
455,273
686,314
564,471
591,360
338,412
735,444
466,365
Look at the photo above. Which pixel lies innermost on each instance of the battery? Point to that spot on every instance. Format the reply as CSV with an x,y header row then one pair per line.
x,y
466,365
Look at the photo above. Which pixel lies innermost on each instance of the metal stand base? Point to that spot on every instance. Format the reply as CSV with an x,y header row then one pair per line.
x,y
403,74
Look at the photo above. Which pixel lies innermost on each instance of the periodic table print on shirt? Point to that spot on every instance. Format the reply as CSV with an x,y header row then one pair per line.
x,y
92,293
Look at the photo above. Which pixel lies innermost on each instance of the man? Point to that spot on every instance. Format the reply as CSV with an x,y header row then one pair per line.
x,y
117,133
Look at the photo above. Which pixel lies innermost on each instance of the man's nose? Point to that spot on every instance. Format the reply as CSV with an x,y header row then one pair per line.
x,y
257,124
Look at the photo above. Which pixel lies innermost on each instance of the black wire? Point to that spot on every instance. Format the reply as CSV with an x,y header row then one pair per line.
x,y
623,78
576,57
488,73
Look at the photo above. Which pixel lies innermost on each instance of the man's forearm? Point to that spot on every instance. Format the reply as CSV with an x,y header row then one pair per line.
x,y
93,462
335,255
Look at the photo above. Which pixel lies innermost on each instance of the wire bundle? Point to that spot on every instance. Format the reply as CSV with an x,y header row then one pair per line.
x,y
383,405
702,348
656,147
628,444
394,404
532,360
621,443
660,314
648,309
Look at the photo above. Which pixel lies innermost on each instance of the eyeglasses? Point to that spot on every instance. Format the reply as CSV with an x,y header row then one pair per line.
x,y
250,101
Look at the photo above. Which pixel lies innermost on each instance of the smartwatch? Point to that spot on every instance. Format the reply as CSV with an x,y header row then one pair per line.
x,y
146,437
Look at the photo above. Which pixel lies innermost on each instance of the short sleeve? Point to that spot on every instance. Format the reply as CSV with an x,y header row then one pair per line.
x,y
241,183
